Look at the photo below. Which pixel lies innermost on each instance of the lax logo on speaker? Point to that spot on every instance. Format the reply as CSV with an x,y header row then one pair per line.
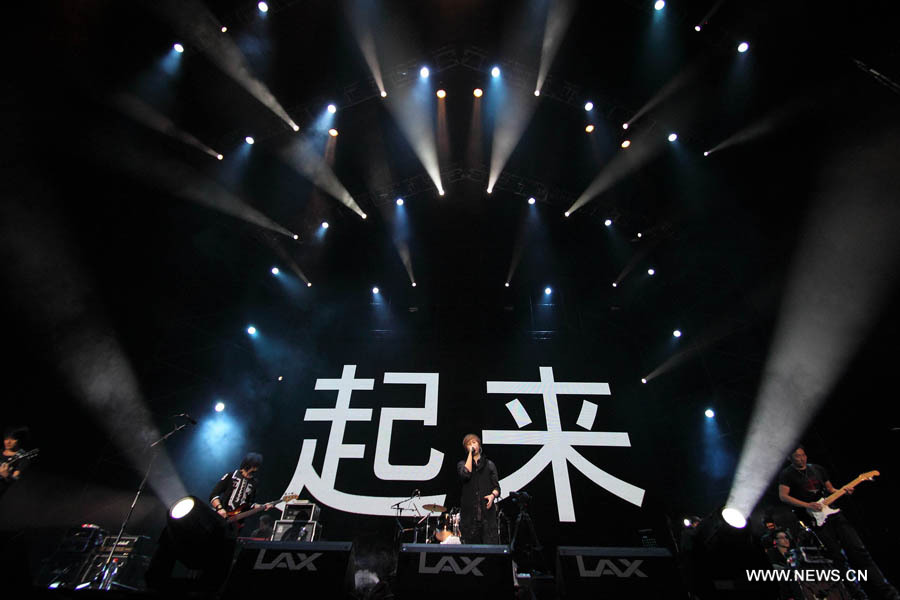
x,y
606,566
447,563
293,561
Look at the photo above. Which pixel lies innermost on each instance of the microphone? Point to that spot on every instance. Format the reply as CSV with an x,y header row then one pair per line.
x,y
417,493
188,417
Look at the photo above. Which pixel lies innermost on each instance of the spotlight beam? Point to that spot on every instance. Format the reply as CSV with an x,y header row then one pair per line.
x,y
559,14
842,273
360,25
622,164
196,24
411,110
676,83
148,116
303,156
511,123
760,127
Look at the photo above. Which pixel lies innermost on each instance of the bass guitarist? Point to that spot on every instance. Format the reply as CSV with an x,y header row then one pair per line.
x,y
803,485
237,490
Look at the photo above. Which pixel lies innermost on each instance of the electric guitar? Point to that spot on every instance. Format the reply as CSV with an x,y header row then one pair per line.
x,y
21,456
822,515
236,515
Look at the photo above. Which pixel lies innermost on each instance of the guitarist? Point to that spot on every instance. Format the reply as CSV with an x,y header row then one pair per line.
x,y
235,491
9,472
802,484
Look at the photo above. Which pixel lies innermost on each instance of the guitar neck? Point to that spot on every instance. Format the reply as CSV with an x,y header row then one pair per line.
x,y
840,492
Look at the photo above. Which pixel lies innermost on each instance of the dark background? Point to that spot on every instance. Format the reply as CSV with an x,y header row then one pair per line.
x,y
177,284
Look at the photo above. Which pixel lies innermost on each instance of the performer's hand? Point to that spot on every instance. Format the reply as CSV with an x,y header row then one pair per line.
x,y
814,506
4,470
490,500
269,506
848,490
222,513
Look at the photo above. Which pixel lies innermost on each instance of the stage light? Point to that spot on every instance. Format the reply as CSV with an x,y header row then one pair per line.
x,y
224,29
333,132
696,28
589,128
687,522
531,200
651,271
607,222
677,333
280,378
414,284
440,192
490,189
219,156
477,92
324,224
365,216
733,517
399,201
673,137
547,291
615,285
743,47
506,284
309,284
251,330
441,94
537,92
178,48
332,108
423,72
624,125
263,7
659,5
296,237
626,143
710,413
640,234
275,271
495,72
588,106
566,213
383,94
375,290
220,406
182,507
706,153
643,380
249,140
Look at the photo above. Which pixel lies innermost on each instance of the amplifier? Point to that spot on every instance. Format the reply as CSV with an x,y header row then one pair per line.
x,y
313,569
128,544
296,531
300,510
614,573
454,571
82,539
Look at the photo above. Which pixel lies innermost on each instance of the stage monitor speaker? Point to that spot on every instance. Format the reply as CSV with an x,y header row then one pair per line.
x,y
300,510
614,573
439,571
313,569
296,531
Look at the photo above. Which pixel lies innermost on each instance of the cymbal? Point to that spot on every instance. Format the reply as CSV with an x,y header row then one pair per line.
x,y
434,508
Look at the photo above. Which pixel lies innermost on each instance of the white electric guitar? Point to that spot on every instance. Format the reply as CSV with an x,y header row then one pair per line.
x,y
822,515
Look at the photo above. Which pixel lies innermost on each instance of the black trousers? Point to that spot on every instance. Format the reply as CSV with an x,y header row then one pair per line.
x,y
838,533
480,532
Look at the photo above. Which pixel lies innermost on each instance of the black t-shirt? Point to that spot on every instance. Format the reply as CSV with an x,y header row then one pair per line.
x,y
20,466
807,485
475,486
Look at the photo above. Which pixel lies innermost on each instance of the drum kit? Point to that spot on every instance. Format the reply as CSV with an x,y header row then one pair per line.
x,y
439,526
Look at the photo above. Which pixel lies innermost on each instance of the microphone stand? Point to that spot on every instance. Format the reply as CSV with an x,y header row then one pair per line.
x,y
107,573
397,506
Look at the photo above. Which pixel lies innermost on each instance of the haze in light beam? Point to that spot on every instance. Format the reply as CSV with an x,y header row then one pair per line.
x,y
511,121
842,273
199,28
412,110
148,116
302,155
559,14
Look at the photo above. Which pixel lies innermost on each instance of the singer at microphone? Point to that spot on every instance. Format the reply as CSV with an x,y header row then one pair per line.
x,y
480,488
